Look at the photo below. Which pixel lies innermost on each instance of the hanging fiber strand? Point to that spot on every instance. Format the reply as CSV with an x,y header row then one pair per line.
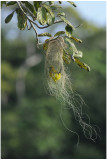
x,y
60,86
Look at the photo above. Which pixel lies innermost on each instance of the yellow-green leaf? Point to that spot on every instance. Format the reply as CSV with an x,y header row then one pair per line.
x,y
82,65
72,3
61,14
76,39
59,33
45,34
22,20
49,19
50,11
71,48
42,16
54,7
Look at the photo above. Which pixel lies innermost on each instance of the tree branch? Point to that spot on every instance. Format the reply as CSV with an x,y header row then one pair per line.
x,y
19,4
30,13
36,34
33,23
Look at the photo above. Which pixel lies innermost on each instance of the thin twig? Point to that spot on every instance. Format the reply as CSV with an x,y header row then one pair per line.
x,y
30,21
79,26
30,13
33,23
58,21
36,34
29,27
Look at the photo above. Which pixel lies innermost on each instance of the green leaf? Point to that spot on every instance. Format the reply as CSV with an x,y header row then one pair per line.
x,y
60,2
37,4
3,2
59,33
76,39
54,7
22,20
61,14
42,16
68,30
72,3
82,65
50,11
67,22
9,17
71,48
30,7
10,3
49,19
66,57
78,54
45,34
51,2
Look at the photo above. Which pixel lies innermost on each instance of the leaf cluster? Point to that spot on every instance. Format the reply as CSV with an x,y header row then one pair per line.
x,y
41,11
44,13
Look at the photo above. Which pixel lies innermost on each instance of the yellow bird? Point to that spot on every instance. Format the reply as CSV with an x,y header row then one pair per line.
x,y
54,74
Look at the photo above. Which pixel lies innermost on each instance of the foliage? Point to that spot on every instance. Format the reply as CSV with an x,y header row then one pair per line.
x,y
32,128
43,13
9,17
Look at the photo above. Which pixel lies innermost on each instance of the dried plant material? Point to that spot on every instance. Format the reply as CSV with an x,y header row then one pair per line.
x,y
60,86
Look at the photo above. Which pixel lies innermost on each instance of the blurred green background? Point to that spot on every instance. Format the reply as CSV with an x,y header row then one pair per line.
x,y
31,125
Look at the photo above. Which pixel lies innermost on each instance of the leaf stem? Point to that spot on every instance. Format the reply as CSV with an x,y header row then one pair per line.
x,y
36,34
